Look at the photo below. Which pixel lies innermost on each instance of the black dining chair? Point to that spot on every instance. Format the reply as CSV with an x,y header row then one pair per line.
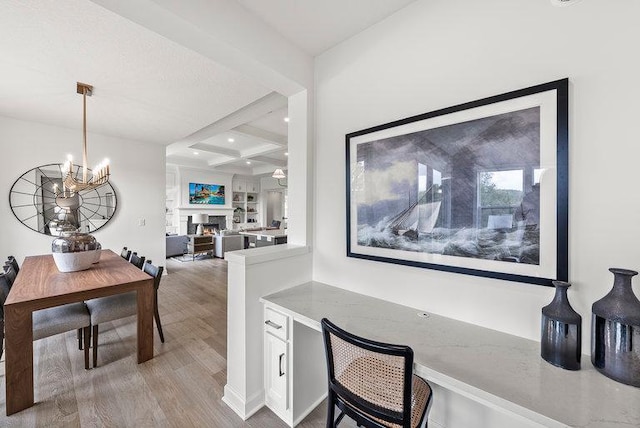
x,y
125,253
11,273
51,321
14,263
111,308
372,382
136,260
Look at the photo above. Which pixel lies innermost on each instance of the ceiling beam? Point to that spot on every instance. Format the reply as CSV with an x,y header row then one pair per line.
x,y
248,113
261,134
184,161
275,162
215,149
217,162
252,152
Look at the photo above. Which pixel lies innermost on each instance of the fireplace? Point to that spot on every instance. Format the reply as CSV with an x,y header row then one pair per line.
x,y
222,216
215,223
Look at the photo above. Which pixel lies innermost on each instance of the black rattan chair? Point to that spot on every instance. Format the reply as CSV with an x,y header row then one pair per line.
x,y
372,382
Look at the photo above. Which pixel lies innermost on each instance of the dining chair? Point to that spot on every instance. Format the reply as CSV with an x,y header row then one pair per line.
x,y
125,254
51,321
137,261
372,382
14,263
111,308
11,274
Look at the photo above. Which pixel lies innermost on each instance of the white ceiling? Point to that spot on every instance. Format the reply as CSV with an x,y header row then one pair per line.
x,y
149,88
316,26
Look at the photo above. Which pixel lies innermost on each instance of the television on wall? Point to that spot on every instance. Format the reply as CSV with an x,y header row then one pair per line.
x,y
210,194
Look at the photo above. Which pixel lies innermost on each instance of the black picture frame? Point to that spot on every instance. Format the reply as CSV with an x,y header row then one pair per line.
x,y
480,188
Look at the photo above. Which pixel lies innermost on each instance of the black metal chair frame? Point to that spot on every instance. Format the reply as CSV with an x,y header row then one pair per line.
x,y
354,406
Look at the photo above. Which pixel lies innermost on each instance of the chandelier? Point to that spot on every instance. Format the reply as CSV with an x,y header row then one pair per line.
x,y
71,183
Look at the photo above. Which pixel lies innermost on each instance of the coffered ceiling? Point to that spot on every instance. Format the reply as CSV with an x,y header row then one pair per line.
x,y
149,88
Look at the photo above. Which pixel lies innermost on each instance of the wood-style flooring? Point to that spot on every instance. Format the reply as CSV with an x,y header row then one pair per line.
x,y
181,387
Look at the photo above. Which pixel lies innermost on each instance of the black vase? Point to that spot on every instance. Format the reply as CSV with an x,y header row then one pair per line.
x,y
615,331
561,331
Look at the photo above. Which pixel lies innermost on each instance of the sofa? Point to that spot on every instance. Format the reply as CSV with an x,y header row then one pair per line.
x,y
176,245
227,240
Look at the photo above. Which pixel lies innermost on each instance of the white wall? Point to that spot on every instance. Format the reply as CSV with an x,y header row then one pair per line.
x,y
440,53
137,175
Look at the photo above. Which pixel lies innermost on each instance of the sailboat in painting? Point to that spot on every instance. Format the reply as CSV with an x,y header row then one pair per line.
x,y
419,218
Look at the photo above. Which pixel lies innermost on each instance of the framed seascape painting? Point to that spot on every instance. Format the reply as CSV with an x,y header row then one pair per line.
x,y
479,188
212,194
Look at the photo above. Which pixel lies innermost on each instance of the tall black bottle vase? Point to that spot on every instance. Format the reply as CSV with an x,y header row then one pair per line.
x,y
615,331
561,331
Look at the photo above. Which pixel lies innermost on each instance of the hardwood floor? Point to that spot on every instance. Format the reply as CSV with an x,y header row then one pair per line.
x,y
182,386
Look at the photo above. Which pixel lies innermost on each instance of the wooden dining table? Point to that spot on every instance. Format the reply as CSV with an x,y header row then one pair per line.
x,y
40,285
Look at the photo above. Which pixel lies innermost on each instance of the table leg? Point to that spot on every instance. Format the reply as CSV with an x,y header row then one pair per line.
x,y
145,322
18,358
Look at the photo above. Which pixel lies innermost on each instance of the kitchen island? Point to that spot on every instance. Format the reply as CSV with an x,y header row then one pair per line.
x,y
265,237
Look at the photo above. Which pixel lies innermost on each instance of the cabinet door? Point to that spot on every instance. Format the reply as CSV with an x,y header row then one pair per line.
x,y
252,187
239,186
276,373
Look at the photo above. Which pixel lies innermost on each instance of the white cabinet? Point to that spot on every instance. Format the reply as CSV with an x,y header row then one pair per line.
x,y
245,186
239,186
246,204
276,373
282,375
276,362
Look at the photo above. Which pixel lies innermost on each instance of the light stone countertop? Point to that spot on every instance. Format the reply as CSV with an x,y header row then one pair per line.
x,y
274,233
497,369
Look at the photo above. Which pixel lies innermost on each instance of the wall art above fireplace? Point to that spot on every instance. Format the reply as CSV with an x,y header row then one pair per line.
x,y
210,194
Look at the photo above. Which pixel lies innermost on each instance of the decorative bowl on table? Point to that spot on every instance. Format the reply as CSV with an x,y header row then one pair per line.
x,y
75,251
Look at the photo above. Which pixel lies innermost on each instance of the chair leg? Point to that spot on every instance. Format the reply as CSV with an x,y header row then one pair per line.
x,y
156,314
331,411
94,339
87,338
80,339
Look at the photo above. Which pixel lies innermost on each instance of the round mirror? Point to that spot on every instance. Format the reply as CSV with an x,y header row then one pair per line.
x,y
36,202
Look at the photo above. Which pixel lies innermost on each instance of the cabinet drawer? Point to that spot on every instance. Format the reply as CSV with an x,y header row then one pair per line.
x,y
276,323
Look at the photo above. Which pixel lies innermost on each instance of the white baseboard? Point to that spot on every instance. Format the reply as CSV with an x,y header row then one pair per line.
x,y
243,409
